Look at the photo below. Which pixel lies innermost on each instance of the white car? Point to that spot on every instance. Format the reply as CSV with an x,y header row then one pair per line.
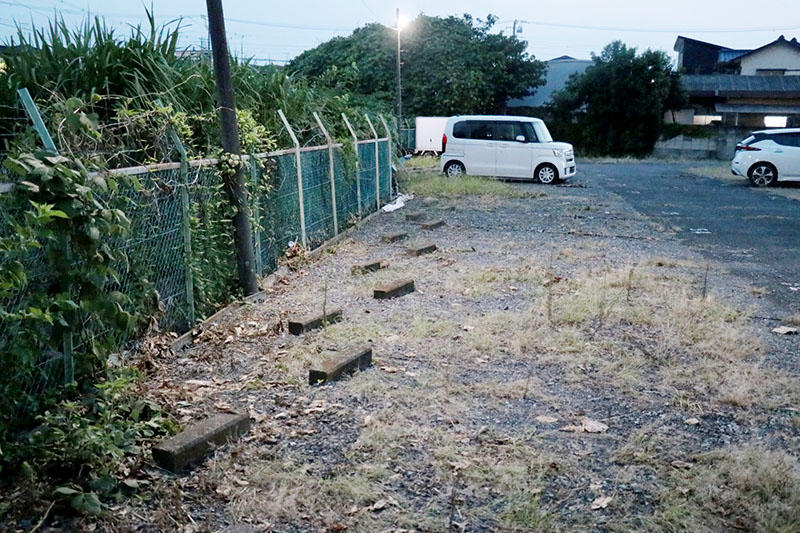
x,y
504,146
769,156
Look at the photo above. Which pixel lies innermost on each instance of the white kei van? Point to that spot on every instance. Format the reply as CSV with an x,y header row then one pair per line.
x,y
504,146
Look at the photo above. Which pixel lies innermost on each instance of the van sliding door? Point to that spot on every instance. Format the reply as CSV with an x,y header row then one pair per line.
x,y
480,149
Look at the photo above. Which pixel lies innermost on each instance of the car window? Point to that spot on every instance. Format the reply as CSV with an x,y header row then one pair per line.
x,y
784,139
507,131
788,139
530,135
461,130
482,130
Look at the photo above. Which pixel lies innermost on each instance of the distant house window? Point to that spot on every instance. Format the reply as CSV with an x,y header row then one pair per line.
x,y
770,71
705,120
775,122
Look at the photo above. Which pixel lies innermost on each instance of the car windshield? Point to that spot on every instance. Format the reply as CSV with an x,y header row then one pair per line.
x,y
541,132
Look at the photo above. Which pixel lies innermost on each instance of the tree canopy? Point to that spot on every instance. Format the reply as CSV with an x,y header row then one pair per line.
x,y
616,107
451,65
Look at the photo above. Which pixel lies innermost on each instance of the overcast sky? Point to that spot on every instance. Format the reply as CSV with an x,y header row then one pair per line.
x,y
281,30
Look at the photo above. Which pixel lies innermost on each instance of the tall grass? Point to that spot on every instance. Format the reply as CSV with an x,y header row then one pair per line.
x,y
117,76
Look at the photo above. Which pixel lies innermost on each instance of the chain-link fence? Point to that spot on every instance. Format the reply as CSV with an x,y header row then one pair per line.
x,y
179,260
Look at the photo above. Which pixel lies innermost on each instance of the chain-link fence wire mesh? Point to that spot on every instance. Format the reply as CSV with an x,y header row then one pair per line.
x,y
367,174
408,139
155,270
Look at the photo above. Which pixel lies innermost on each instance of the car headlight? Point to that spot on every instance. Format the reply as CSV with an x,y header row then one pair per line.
x,y
559,153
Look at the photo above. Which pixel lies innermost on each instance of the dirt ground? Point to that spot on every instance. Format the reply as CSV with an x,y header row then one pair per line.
x,y
563,365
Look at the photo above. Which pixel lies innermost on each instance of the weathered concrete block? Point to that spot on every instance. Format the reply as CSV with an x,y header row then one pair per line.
x,y
301,325
369,266
421,249
195,442
394,290
415,217
394,237
332,369
433,224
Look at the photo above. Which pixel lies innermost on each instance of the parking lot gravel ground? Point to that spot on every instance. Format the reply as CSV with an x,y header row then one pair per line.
x,y
566,363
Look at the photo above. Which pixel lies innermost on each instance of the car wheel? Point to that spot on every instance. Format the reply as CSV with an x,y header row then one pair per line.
x,y
763,175
454,169
547,174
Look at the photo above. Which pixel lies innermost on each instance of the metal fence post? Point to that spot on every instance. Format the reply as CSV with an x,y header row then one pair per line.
x,y
299,178
256,215
186,224
377,166
355,147
389,150
47,141
330,172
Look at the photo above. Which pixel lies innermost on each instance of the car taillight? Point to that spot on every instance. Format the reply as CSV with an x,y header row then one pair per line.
x,y
444,142
743,148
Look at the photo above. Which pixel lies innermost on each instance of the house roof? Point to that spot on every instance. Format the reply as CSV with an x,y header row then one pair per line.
x,y
558,72
681,39
742,86
779,40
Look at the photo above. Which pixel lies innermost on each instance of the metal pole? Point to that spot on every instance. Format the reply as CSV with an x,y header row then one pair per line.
x,y
389,150
256,216
237,191
355,147
186,224
399,85
299,178
377,166
330,172
47,141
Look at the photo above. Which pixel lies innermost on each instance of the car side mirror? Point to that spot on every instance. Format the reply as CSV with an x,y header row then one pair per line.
x,y
521,138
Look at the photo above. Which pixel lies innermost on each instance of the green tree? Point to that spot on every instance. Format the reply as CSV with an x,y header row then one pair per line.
x,y
450,65
616,107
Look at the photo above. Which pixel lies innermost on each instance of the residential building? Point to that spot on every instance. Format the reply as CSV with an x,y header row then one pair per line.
x,y
740,88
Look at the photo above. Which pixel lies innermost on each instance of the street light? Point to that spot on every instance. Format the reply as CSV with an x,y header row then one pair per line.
x,y
400,23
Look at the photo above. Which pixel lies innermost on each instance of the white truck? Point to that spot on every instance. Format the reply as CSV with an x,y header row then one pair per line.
x,y
429,134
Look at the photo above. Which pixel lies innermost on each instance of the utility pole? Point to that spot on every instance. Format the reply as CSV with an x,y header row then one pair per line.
x,y
234,184
514,31
399,83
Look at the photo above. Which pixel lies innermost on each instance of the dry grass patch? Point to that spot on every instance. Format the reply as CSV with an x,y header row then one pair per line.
x,y
436,184
743,489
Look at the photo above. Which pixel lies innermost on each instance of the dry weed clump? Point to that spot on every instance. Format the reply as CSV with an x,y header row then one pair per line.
x,y
631,326
743,489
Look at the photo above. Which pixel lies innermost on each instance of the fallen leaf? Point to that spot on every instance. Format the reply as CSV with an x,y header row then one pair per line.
x,y
601,502
391,369
368,420
542,419
681,464
199,382
785,330
593,426
378,505
692,422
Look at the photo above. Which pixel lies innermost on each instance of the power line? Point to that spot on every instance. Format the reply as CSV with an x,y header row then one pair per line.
x,y
655,30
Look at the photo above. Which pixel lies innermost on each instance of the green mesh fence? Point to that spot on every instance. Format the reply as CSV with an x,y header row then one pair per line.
x,y
408,139
171,207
